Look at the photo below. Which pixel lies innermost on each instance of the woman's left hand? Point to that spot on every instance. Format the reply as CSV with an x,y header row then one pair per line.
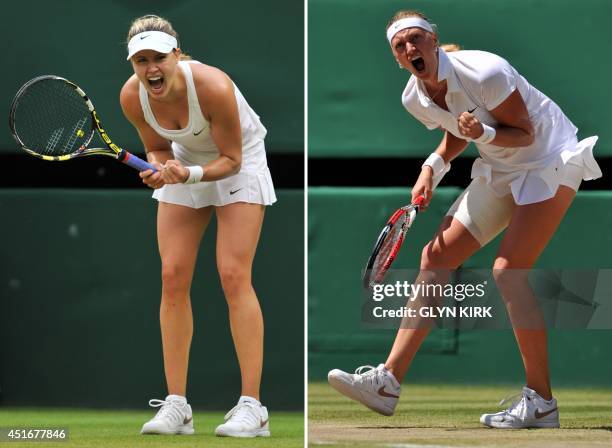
x,y
469,126
174,173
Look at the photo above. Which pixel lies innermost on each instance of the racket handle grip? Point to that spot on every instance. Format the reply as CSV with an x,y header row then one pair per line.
x,y
137,162
419,201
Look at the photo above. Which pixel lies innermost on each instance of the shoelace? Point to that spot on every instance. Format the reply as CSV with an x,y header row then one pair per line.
x,y
365,370
244,412
512,399
168,409
518,404
368,373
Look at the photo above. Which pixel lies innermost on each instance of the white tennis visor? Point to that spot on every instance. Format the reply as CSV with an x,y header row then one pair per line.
x,y
151,40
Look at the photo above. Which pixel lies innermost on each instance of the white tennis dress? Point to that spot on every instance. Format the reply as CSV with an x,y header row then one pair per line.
x,y
503,178
194,145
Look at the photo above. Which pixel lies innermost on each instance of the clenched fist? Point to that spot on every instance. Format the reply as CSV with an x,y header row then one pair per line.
x,y
469,126
174,173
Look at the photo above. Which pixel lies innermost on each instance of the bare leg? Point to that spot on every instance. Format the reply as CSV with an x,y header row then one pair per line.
x,y
450,247
239,226
179,232
528,233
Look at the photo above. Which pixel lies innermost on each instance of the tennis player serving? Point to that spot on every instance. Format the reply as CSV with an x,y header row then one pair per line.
x,y
530,167
208,146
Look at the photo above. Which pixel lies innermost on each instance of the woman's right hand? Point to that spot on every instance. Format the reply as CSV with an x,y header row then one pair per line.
x,y
424,186
153,179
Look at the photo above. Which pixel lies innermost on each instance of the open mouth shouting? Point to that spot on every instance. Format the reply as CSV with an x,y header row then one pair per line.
x,y
156,83
418,63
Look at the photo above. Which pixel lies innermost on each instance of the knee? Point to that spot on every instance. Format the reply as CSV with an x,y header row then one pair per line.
x,y
432,257
175,281
428,256
502,273
506,276
235,279
433,270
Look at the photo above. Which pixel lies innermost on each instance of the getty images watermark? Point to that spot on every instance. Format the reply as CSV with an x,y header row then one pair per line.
x,y
410,292
487,299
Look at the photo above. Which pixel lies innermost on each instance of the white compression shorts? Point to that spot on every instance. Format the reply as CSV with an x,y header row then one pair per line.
x,y
485,215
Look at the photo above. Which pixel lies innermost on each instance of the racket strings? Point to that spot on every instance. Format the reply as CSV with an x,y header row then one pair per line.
x,y
388,249
52,119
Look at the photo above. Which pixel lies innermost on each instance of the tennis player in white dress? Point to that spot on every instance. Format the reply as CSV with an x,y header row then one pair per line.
x,y
531,164
208,147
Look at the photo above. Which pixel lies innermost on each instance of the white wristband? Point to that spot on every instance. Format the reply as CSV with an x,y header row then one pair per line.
x,y
196,173
436,162
487,136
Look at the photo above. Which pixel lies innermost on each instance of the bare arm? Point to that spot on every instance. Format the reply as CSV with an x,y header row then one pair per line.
x,y
449,148
157,148
222,111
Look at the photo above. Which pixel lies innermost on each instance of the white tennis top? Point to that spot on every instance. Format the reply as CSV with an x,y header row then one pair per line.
x,y
194,145
479,81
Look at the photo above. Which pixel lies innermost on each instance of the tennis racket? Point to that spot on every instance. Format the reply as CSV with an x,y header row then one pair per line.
x,y
389,243
53,119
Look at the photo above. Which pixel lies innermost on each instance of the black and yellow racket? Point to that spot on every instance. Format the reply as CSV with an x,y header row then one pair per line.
x,y
53,119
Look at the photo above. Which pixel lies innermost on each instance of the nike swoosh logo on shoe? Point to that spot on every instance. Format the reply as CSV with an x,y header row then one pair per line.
x,y
263,423
187,420
383,393
539,414
199,132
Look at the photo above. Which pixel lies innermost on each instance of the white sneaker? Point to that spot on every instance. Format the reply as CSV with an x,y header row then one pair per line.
x,y
174,417
247,419
528,411
374,387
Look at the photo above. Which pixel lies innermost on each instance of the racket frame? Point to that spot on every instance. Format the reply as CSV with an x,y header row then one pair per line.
x,y
111,150
403,217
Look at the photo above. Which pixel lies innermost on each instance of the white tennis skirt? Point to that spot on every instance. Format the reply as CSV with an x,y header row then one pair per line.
x,y
254,188
485,213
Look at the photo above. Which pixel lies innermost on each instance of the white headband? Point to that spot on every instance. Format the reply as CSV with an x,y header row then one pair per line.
x,y
407,22
151,40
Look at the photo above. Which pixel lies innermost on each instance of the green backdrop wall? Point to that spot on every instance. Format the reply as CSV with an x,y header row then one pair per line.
x,y
79,304
258,44
343,224
355,84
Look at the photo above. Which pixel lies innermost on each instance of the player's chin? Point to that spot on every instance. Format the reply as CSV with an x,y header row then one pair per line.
x,y
156,94
423,74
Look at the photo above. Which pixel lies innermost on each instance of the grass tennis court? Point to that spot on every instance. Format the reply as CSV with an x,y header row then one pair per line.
x,y
94,428
447,416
